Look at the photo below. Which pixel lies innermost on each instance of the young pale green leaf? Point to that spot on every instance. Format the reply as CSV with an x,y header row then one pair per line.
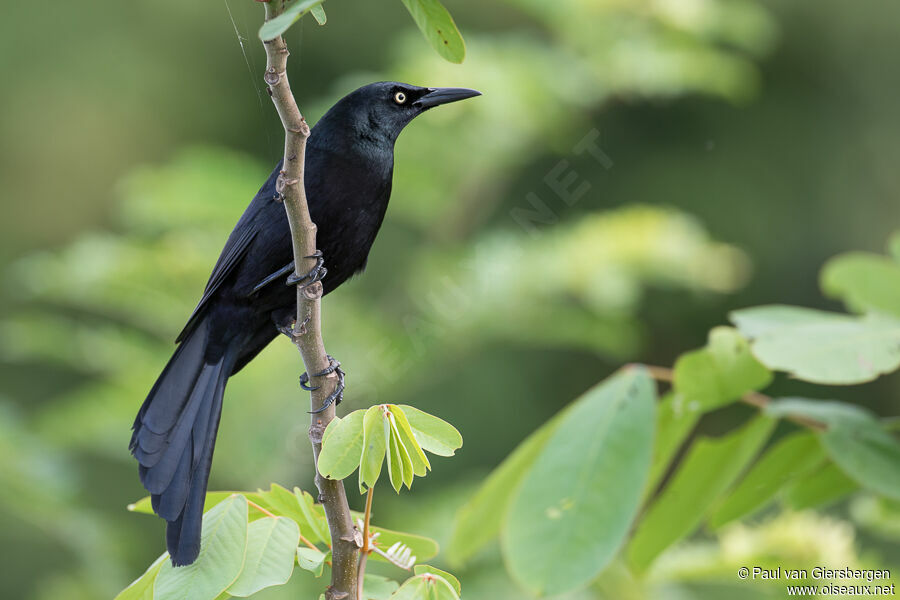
x,y
311,560
376,587
433,434
374,447
142,587
408,440
405,460
438,27
822,347
576,504
223,544
318,13
792,457
710,468
296,9
479,520
822,487
271,543
395,463
451,579
342,446
426,586
285,503
720,373
421,547
865,282
674,422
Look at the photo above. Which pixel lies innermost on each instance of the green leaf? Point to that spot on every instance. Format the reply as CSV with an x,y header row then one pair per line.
x,y
674,422
451,579
433,434
577,502
426,586
438,27
854,440
342,446
311,560
271,543
405,460
479,520
286,503
395,463
720,373
223,543
317,527
422,547
827,412
408,439
865,282
374,447
272,29
793,456
822,347
212,498
376,587
318,13
824,486
710,467
142,587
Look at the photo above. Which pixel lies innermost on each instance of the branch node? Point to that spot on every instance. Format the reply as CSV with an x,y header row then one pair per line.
x,y
271,77
312,291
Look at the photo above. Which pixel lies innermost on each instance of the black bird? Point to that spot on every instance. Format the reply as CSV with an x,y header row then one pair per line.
x,y
348,170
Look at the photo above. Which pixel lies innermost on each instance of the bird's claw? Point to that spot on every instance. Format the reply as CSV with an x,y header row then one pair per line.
x,y
337,395
317,273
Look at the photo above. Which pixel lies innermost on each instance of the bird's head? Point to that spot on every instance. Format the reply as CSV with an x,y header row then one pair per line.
x,y
380,111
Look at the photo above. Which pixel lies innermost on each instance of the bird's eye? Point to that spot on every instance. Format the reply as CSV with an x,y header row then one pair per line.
x,y
399,97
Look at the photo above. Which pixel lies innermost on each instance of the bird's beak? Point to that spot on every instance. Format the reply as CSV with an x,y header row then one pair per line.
x,y
438,96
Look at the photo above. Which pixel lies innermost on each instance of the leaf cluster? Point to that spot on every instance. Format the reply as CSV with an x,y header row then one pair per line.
x,y
365,439
637,482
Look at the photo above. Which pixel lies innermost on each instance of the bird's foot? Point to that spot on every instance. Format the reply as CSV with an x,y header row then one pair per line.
x,y
334,397
317,273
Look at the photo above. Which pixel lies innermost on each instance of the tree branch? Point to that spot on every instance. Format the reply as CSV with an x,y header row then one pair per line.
x,y
345,539
756,399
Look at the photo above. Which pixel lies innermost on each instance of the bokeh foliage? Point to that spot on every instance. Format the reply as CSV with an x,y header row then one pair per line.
x,y
89,322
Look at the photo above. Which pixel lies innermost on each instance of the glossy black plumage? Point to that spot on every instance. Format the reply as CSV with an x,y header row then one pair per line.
x,y
348,170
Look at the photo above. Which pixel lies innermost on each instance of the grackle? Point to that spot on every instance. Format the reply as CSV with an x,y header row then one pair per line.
x,y
348,169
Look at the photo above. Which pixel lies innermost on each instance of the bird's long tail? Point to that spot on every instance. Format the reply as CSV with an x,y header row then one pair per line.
x,y
173,440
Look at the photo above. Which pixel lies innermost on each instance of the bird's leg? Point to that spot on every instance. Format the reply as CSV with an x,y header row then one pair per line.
x,y
337,395
317,273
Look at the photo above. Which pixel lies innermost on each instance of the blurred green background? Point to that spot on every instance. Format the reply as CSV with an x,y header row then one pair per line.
x,y
749,141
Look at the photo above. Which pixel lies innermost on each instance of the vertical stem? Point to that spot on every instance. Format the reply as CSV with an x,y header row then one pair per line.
x,y
364,554
345,539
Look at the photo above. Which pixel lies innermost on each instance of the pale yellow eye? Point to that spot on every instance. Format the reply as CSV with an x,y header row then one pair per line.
x,y
399,97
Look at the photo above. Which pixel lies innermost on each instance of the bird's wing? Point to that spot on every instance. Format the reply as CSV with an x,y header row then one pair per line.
x,y
235,248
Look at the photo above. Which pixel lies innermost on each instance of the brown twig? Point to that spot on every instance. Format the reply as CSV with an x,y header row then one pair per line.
x,y
366,549
307,333
760,401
